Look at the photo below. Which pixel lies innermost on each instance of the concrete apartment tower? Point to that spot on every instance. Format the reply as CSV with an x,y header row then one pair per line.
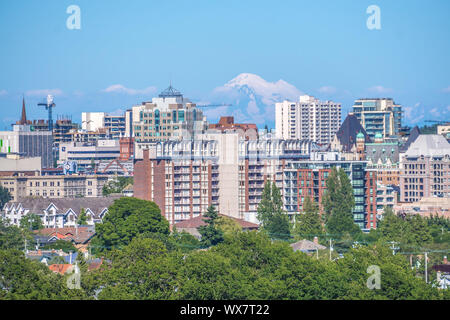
x,y
309,118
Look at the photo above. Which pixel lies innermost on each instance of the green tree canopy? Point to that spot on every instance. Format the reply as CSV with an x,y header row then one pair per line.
x,y
5,196
211,235
82,219
309,223
24,279
271,214
63,245
31,221
338,203
129,218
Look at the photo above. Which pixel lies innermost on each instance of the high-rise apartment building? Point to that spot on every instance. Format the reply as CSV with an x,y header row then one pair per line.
x,y
307,119
169,116
379,115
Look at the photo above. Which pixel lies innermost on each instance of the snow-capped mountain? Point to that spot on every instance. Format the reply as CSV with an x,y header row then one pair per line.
x,y
252,98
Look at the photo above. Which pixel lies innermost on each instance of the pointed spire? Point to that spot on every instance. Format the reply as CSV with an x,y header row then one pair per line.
x,y
23,119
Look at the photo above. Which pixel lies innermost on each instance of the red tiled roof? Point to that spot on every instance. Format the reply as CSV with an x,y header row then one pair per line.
x,y
60,268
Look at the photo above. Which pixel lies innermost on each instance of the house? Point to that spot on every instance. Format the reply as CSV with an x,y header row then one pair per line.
x,y
191,225
44,256
79,236
61,268
58,213
94,264
307,246
443,274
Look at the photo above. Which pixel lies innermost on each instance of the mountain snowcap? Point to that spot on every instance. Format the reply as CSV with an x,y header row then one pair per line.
x,y
253,98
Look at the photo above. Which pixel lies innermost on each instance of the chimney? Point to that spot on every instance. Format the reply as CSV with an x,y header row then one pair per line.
x,y
445,260
316,240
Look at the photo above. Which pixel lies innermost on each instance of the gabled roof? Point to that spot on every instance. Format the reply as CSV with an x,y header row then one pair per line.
x,y
82,235
63,205
413,135
348,131
306,245
60,268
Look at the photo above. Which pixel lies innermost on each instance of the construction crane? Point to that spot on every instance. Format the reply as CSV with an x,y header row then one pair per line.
x,y
438,121
214,105
49,105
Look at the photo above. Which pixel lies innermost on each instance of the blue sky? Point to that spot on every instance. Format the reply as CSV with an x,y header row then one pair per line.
x,y
323,48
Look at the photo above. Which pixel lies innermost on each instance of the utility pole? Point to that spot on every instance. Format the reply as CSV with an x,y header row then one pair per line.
x,y
393,247
426,267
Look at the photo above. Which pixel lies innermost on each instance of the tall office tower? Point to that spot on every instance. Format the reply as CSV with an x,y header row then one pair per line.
x,y
307,119
379,115
26,142
169,116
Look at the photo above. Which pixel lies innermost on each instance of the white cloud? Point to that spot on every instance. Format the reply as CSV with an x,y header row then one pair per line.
x,y
327,90
380,90
44,92
414,114
118,88
3,92
435,112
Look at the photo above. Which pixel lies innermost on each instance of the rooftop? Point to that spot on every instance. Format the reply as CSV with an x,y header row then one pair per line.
x,y
429,145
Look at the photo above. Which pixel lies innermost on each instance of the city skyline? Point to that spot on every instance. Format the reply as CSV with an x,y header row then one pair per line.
x,y
320,49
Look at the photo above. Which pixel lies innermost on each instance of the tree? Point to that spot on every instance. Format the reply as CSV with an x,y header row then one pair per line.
x,y
129,218
228,225
338,203
5,196
143,269
271,214
63,245
31,222
12,237
25,279
210,234
309,224
82,219
116,185
182,241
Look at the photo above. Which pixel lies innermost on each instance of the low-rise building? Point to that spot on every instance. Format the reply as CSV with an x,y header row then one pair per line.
x,y
89,155
54,186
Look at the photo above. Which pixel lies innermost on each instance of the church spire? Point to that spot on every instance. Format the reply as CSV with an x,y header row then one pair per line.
x,y
23,119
